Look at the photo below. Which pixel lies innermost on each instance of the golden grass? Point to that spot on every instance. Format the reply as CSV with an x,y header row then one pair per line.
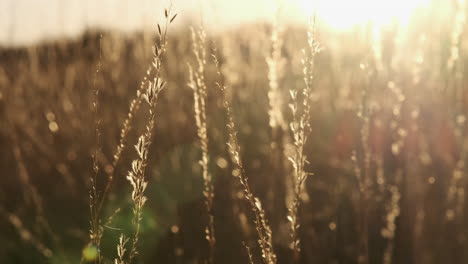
x,y
377,116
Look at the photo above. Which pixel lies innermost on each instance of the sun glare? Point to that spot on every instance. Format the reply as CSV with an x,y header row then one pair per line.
x,y
344,14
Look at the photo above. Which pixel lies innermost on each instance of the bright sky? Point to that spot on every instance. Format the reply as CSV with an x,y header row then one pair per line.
x,y
27,21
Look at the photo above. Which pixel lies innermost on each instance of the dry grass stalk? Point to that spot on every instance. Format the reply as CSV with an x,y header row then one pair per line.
x,y
363,161
300,128
398,132
280,140
393,211
121,250
96,228
393,207
456,192
457,34
126,127
249,253
379,66
275,62
198,85
265,240
136,175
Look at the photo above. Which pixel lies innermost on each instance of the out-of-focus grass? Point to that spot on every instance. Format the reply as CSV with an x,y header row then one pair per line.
x,y
45,112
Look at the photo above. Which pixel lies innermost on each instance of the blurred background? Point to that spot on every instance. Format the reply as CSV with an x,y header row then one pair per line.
x,y
389,87
26,22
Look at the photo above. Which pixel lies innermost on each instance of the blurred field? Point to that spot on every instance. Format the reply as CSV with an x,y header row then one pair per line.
x,y
387,115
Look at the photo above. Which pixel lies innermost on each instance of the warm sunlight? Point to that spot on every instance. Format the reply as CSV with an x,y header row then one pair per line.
x,y
344,14
233,131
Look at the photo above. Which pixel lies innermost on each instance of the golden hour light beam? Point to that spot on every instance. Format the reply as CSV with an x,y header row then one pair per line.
x,y
345,14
